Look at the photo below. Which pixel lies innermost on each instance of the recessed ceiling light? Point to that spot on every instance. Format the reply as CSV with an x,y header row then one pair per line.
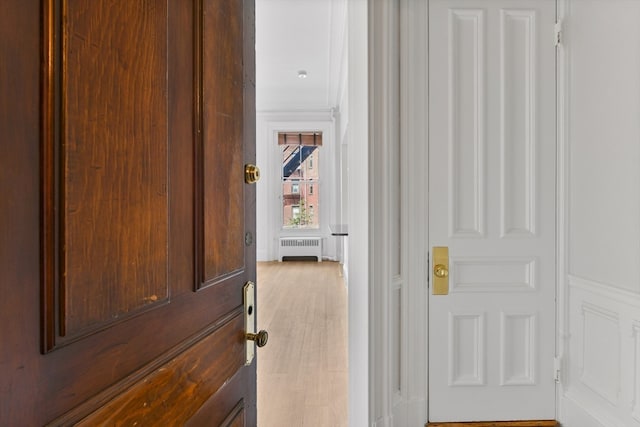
x,y
302,74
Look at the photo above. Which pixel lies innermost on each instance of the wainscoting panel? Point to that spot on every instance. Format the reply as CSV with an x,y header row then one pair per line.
x,y
603,380
600,370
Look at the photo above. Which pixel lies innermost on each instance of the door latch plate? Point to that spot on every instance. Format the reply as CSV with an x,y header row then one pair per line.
x,y
249,320
440,271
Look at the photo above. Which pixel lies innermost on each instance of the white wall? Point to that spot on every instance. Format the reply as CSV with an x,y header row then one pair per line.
x,y
600,326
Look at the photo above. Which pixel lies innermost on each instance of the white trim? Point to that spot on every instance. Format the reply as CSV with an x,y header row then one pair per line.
x,y
411,409
576,410
358,221
381,124
316,115
605,291
389,21
398,155
562,215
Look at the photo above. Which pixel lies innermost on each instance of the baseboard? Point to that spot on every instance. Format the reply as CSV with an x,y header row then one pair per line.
x,y
262,255
383,422
575,414
544,423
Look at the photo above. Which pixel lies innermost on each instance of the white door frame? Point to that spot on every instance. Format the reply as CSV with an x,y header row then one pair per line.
x,y
403,25
397,159
562,205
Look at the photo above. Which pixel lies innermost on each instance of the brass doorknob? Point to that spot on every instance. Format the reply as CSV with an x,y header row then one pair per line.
x,y
260,338
440,270
251,174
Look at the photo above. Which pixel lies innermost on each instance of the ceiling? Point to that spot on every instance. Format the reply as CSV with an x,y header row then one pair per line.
x,y
293,36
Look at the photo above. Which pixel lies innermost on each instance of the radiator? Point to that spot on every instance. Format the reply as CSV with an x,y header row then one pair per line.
x,y
300,246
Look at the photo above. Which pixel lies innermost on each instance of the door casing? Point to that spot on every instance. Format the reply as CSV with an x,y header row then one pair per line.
x,y
406,19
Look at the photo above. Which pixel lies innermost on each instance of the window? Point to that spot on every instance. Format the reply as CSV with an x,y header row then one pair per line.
x,y
300,178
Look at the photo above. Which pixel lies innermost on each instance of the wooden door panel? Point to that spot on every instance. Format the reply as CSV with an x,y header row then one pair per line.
x,y
237,421
87,374
220,138
114,174
216,410
106,197
116,244
178,383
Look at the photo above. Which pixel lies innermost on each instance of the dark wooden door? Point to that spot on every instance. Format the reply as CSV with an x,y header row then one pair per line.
x,y
126,228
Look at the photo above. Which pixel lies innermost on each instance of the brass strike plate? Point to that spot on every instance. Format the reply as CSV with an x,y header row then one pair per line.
x,y
249,320
440,271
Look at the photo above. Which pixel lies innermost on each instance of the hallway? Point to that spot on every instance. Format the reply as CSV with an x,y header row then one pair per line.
x,y
302,371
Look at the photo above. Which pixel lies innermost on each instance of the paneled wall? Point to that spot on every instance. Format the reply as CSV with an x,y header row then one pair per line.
x,y
601,333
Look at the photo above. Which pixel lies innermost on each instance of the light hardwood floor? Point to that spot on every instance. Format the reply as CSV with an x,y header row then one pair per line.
x,y
302,371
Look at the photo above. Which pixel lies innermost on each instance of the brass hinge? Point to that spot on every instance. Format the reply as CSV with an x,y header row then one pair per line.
x,y
558,33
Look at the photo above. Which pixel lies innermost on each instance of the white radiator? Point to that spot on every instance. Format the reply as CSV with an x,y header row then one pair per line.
x,y
300,246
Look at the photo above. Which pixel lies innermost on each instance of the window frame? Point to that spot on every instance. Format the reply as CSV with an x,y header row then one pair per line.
x,y
304,184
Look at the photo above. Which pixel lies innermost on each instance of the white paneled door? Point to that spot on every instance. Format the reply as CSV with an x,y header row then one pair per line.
x,y
492,182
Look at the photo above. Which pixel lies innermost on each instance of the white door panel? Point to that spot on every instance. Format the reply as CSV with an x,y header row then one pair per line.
x,y
492,148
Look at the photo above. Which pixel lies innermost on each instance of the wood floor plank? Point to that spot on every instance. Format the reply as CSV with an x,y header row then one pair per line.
x,y
302,371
